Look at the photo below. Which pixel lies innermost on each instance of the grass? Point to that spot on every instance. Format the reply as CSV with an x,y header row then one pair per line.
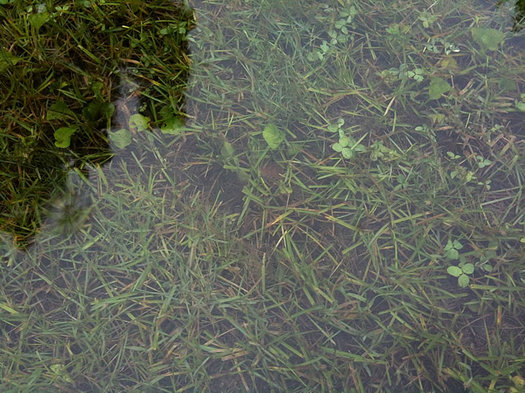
x,y
208,261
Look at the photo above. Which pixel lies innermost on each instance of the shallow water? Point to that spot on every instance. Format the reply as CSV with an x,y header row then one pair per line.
x,y
217,215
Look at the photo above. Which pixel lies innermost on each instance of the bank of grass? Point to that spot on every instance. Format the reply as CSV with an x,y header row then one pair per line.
x,y
61,67
210,262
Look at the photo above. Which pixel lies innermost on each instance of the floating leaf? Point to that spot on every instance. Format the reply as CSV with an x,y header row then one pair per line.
x,y
38,20
120,138
437,87
273,136
454,271
173,126
59,111
63,136
138,122
487,38
463,280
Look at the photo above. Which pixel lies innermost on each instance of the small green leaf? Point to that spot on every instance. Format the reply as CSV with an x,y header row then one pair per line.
x,y
138,122
97,87
347,153
520,106
120,138
454,271
457,245
468,268
487,38
463,281
359,148
337,147
437,88
344,141
107,109
38,20
63,136
173,126
452,254
59,111
227,150
273,136
449,245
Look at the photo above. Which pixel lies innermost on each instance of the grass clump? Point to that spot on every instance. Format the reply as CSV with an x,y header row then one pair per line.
x,y
250,252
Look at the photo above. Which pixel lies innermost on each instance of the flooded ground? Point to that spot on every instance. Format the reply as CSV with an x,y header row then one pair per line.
x,y
262,196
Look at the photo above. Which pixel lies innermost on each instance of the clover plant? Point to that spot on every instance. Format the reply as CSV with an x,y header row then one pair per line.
x,y
463,269
404,73
427,19
346,145
462,272
338,23
452,249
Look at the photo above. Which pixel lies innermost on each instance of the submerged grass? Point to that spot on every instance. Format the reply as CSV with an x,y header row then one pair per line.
x,y
207,261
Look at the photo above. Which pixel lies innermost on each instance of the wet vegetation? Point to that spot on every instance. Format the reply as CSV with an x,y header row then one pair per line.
x,y
302,196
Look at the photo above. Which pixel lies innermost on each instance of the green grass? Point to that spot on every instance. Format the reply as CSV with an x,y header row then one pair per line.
x,y
209,262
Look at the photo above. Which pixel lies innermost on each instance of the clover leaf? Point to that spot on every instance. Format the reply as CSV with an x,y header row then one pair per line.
x,y
273,136
63,136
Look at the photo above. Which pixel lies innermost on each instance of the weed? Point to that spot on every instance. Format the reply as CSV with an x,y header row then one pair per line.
x,y
346,145
462,272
